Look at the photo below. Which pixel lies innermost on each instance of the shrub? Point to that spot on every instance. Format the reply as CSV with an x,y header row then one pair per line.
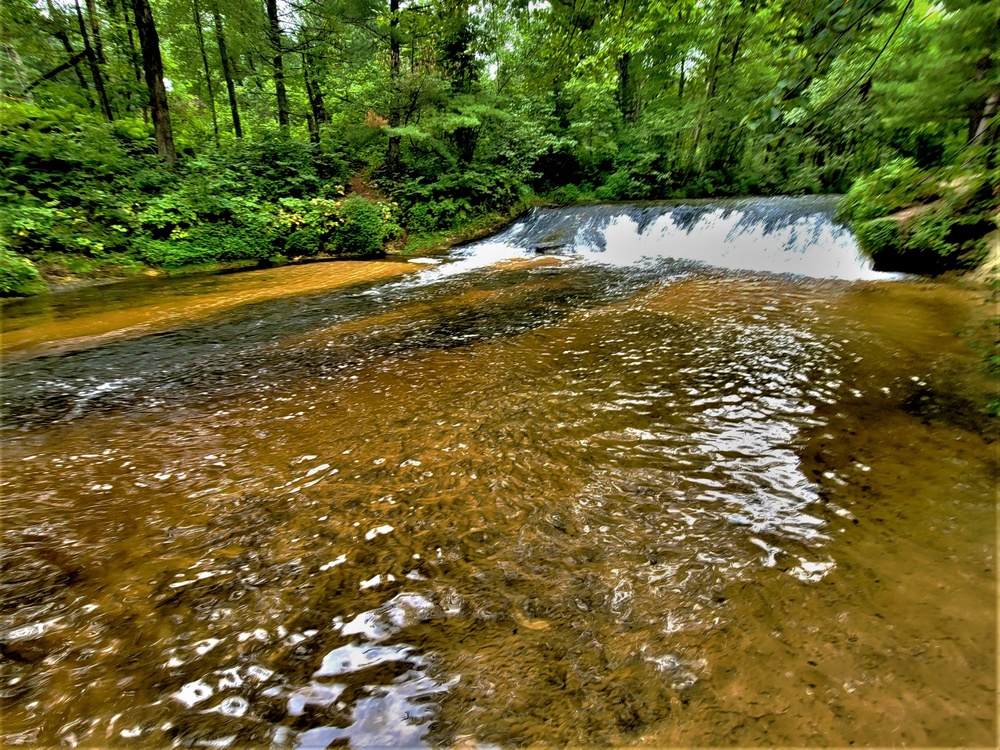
x,y
456,197
890,187
301,243
363,227
205,244
305,227
425,217
934,241
275,166
882,240
18,275
620,186
569,194
929,233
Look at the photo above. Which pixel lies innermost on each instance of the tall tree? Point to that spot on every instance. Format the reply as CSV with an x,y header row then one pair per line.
x,y
95,31
227,71
317,108
95,68
208,70
152,64
126,43
395,110
277,62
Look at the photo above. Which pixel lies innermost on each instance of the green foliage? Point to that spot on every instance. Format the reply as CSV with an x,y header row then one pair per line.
x,y
930,233
204,244
486,102
475,228
890,187
18,275
274,166
569,194
77,187
456,197
622,185
362,227
882,239
929,238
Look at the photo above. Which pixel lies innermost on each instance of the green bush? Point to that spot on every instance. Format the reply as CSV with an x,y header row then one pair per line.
x,y
274,166
882,239
944,229
305,227
74,186
18,275
207,243
890,187
302,243
457,197
929,233
425,217
363,227
620,186
565,195
934,241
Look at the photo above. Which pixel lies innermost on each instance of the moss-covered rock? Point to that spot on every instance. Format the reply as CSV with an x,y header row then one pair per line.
x,y
913,228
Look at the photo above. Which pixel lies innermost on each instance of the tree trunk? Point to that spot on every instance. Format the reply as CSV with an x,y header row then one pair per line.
x,y
312,122
254,75
63,37
713,72
628,102
313,91
95,31
152,65
134,58
95,69
392,151
22,78
274,32
208,71
313,129
984,121
220,37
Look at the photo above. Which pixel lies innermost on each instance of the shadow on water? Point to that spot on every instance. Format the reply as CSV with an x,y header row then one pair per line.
x,y
594,501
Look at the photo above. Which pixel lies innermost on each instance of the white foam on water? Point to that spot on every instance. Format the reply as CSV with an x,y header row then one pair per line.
x,y
774,235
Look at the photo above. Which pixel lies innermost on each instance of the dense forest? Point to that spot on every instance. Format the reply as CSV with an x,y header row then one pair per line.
x,y
139,134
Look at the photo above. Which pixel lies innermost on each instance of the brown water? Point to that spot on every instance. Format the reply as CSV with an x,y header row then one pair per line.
x,y
50,324
527,504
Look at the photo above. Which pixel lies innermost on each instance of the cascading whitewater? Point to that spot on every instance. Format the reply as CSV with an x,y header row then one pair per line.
x,y
774,235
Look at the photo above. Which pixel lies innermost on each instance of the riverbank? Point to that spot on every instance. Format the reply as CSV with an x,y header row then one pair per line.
x,y
67,274
436,243
926,222
59,279
72,274
50,325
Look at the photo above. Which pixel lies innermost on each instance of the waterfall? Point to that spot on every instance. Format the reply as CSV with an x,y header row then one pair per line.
x,y
772,235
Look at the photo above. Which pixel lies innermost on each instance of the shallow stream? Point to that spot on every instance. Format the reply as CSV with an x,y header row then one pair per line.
x,y
704,478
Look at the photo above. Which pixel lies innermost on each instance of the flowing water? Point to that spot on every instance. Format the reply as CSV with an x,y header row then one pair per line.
x,y
705,479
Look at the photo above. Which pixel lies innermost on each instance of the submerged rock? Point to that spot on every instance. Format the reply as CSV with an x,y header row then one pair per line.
x,y
553,246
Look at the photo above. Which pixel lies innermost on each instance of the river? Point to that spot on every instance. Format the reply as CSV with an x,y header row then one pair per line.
x,y
703,478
